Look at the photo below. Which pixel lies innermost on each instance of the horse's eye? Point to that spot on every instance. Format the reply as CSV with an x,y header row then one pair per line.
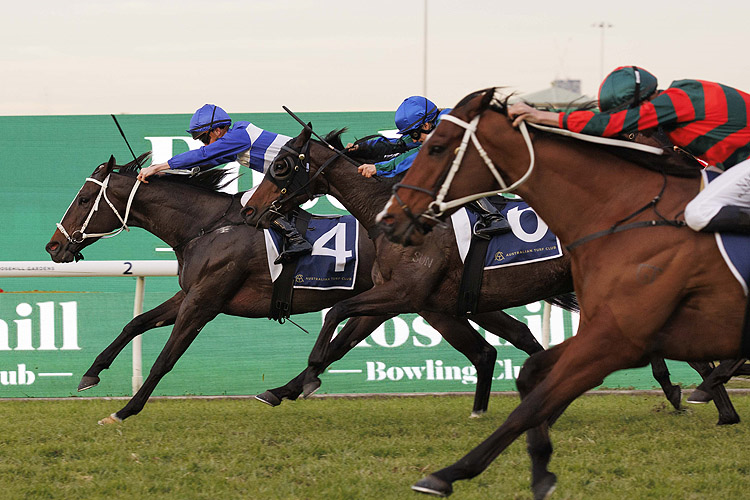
x,y
436,150
281,169
83,200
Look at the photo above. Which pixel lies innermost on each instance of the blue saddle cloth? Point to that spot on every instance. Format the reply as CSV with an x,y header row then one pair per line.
x,y
733,246
334,258
529,241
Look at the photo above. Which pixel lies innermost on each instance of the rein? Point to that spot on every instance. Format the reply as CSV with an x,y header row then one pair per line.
x,y
617,228
203,232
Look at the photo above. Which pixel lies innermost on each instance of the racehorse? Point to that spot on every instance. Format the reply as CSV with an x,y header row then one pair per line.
x,y
646,284
404,283
222,269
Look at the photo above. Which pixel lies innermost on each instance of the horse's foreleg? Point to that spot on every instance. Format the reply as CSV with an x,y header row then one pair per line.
x,y
661,374
466,340
389,299
508,328
354,331
164,314
192,317
577,365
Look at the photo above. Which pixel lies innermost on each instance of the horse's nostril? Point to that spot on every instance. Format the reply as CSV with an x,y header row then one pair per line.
x,y
52,247
247,212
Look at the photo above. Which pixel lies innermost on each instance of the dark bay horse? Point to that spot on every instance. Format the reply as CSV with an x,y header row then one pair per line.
x,y
646,284
417,278
222,269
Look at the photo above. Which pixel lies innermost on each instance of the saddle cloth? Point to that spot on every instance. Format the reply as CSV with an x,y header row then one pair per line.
x,y
529,241
733,246
334,258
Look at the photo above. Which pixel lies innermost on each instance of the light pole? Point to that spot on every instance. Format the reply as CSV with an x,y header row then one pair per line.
x,y
424,53
602,25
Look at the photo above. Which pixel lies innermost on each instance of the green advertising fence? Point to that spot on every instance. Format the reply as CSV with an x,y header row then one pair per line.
x,y
51,329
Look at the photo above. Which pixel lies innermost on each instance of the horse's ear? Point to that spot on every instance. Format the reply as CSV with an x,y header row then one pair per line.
x,y
489,94
305,135
105,168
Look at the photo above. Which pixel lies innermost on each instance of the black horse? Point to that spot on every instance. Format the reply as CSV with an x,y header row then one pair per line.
x,y
222,269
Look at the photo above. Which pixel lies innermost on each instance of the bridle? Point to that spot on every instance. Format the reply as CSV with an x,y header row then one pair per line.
x,y
296,179
79,235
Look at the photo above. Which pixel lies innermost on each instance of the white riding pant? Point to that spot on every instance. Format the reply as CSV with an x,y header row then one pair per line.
x,y
731,188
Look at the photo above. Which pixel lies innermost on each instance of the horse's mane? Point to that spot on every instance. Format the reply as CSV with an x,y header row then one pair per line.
x,y
673,161
212,179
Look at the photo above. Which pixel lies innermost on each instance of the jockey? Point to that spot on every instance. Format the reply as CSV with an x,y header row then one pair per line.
x,y
708,120
415,118
245,143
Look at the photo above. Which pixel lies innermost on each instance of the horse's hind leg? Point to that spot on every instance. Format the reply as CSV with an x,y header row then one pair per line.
x,y
307,382
164,314
712,388
508,328
465,339
661,374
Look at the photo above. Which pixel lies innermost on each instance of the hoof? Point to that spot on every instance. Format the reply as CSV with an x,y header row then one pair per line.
x,y
310,388
433,485
544,488
269,398
87,383
477,413
699,397
112,419
675,397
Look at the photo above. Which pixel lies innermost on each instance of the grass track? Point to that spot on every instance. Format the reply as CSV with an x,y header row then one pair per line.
x,y
606,447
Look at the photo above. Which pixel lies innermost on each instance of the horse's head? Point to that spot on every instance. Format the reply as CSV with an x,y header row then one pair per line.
x,y
415,207
284,186
84,222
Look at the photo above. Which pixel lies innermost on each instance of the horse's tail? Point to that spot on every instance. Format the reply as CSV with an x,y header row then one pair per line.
x,y
567,301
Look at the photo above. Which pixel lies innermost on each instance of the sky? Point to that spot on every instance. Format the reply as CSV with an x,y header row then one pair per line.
x,y
152,57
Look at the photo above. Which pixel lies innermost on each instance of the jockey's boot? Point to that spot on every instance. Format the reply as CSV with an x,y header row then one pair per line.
x,y
294,244
732,219
491,221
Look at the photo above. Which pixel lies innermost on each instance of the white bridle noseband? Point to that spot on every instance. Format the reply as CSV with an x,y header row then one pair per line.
x,y
102,194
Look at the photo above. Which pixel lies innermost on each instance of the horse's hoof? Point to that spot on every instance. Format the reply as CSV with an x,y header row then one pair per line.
x,y
699,396
433,485
729,420
269,398
477,413
675,397
310,388
87,383
112,419
544,488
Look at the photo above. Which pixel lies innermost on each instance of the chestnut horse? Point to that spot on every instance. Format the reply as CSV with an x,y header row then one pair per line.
x,y
223,269
647,285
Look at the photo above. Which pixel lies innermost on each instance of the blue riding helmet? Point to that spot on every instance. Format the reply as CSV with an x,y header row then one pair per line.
x,y
626,87
208,117
414,112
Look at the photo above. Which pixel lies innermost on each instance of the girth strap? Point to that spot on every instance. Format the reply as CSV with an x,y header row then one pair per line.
x,y
283,287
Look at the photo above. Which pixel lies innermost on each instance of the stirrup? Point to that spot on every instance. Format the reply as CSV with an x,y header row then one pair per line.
x,y
486,230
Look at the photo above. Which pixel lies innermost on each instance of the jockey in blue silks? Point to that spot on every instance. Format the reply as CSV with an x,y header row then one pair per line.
x,y
415,118
242,142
